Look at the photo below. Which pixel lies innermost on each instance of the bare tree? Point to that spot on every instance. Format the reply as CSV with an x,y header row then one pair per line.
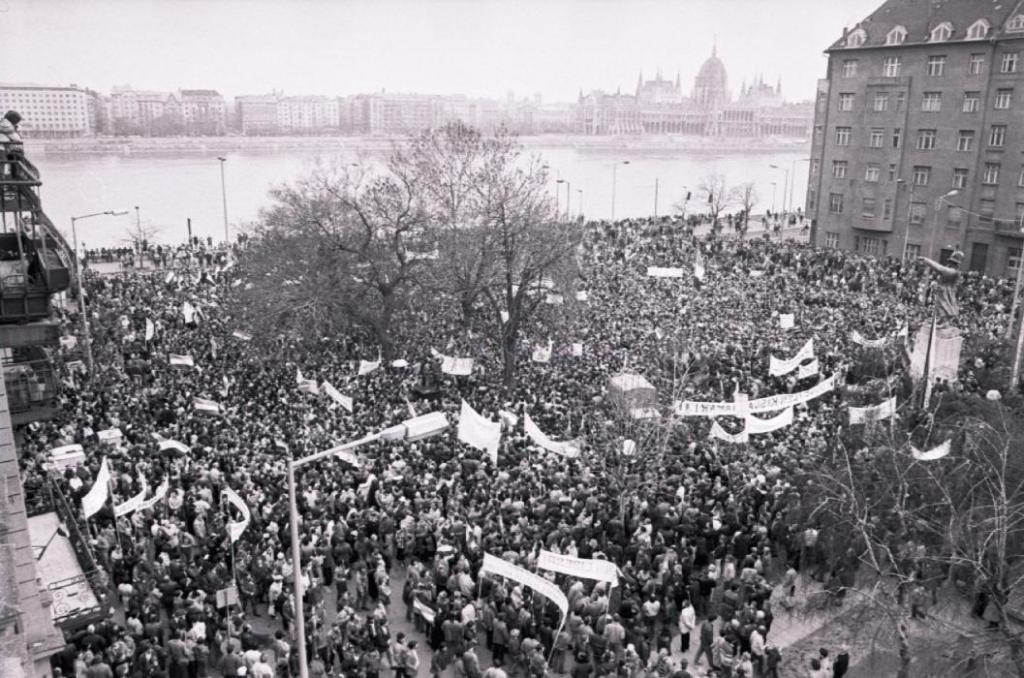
x,y
140,236
746,196
717,196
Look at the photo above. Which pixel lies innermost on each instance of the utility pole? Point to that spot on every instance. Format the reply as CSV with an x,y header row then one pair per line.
x,y
655,197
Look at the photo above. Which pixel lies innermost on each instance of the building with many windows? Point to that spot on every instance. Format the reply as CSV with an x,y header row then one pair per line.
x,y
50,112
203,112
918,135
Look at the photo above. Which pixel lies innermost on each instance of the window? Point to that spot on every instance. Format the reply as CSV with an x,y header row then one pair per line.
x,y
870,246
901,99
991,174
971,100
932,101
942,32
925,139
815,166
1012,260
868,208
921,175
876,137
835,203
953,215
849,68
832,240
959,177
856,38
839,169
881,102
871,173
842,136
936,65
846,101
896,36
892,172
1016,24
812,199
1020,177
965,140
978,30
1003,98
1008,64
1019,214
997,136
913,251
986,209
917,212
887,209
897,136
891,67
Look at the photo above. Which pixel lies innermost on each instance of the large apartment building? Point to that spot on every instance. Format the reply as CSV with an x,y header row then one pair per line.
x,y
51,112
918,134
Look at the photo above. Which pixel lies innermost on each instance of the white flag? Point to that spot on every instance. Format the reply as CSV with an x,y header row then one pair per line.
x,y
150,329
365,366
335,395
204,405
181,360
97,495
306,385
133,503
236,528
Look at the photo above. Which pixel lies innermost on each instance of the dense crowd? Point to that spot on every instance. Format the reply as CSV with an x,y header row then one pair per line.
x,y
709,538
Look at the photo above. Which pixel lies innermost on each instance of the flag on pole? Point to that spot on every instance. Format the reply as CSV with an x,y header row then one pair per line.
x,y
150,329
237,527
204,405
97,495
181,360
335,395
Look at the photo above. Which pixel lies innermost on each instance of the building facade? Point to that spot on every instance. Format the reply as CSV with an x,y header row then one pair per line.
x,y
203,112
135,112
307,114
257,113
49,112
918,135
659,106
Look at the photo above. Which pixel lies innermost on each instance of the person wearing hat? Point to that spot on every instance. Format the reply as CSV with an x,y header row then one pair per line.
x,y
9,136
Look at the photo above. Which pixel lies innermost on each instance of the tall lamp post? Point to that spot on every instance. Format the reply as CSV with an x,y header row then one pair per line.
x,y
138,234
224,197
900,183
579,205
568,196
78,280
615,169
785,185
773,197
792,167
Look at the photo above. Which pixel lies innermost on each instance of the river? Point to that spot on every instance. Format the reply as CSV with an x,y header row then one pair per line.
x,y
169,189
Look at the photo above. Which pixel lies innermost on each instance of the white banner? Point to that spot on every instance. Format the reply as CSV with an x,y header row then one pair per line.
x,y
778,402
809,370
161,492
932,454
663,272
111,436
503,568
306,385
175,445
181,360
787,321
859,339
97,495
204,405
509,418
456,366
188,311
566,449
577,349
945,360
695,408
581,568
150,329
883,410
777,367
554,299
582,295
236,528
425,425
241,336
699,269
335,395
758,425
479,432
721,434
919,355
541,354
365,366
132,504
66,456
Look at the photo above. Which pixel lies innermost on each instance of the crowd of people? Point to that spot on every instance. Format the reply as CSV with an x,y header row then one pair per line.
x,y
709,538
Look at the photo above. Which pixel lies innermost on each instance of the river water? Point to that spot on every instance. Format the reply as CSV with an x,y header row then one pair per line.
x,y
170,189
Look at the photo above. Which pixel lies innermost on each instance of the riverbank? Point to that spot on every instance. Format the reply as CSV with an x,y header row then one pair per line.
x,y
668,144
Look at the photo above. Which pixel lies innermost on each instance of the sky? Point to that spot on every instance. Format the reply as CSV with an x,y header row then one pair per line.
x,y
481,48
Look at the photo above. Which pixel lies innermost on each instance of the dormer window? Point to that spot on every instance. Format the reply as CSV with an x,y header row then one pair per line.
x,y
942,32
978,30
856,38
896,36
1016,24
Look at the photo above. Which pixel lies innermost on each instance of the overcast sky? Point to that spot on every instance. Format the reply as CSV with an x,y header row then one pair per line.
x,y
476,47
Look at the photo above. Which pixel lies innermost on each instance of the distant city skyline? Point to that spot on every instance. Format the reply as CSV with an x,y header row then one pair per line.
x,y
480,48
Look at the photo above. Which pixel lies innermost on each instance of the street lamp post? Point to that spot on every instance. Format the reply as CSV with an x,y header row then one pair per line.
x,y
792,166
579,205
773,197
910,204
785,186
138,234
78,281
568,197
224,197
615,168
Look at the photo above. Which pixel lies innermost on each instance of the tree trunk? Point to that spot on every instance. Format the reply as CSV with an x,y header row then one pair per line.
x,y
905,655
508,357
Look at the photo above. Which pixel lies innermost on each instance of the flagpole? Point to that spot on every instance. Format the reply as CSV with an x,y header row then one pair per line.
x,y
928,365
300,615
234,572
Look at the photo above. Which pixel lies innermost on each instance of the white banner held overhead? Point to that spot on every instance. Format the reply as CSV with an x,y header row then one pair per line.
x,y
542,354
777,367
566,449
188,312
932,454
554,299
809,370
161,492
577,349
335,395
664,272
496,565
581,568
758,425
720,433
582,295
97,495
180,360
699,269
778,402
459,367
365,367
204,405
695,408
150,329
479,432
883,410
174,445
236,528
66,456
241,336
859,339
132,504
787,321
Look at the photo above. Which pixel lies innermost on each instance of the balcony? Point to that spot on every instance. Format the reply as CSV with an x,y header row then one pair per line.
x,y
31,385
1011,229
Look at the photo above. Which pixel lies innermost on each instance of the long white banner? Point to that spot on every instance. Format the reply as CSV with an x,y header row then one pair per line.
x,y
883,410
932,454
859,339
693,408
777,367
664,272
539,584
583,568
721,434
758,425
479,432
97,495
336,395
161,492
565,448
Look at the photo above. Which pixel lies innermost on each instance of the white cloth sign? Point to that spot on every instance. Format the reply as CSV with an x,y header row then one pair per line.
x,y
577,349
542,354
777,367
758,425
181,360
883,410
175,445
692,408
241,336
365,367
456,366
582,568
787,321
188,311
204,405
335,395
664,272
721,434
566,448
161,492
582,295
859,339
237,527
150,329
479,432
496,565
132,504
97,495
932,454
809,370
